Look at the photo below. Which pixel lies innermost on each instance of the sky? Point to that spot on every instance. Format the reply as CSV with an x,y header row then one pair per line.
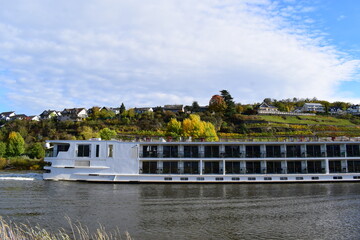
x,y
65,54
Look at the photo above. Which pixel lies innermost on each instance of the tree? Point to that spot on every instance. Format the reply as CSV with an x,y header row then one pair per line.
x,y
195,128
230,104
195,107
36,151
210,132
87,133
122,108
173,128
107,134
217,104
15,144
2,149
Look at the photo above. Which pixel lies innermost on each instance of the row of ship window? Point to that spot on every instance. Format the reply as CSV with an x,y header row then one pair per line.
x,y
248,167
250,151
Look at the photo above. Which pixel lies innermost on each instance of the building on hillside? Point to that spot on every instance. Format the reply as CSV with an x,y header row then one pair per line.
x,y
174,108
265,107
33,118
354,109
336,111
19,117
73,114
49,114
7,115
313,107
143,110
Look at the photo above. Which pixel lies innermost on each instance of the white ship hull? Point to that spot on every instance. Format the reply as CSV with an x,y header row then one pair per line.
x,y
203,162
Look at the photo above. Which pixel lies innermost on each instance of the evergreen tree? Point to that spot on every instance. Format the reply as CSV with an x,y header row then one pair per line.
x,y
122,108
230,104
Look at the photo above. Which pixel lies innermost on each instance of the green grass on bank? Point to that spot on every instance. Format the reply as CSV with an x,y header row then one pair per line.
x,y
311,120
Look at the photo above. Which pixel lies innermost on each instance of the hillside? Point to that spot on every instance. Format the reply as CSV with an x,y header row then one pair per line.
x,y
144,126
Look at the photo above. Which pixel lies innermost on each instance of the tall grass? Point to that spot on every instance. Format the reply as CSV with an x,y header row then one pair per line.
x,y
13,231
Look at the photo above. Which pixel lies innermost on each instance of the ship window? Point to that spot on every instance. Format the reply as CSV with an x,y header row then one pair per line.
x,y
251,178
273,151
219,179
200,178
333,150
62,148
283,178
191,151
313,151
83,150
184,179
267,178
353,150
314,178
299,178
232,151
168,179
235,179
252,151
293,151
97,150
110,150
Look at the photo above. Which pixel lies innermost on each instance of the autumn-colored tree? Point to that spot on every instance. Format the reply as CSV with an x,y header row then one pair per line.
x,y
217,104
15,144
195,128
210,132
173,128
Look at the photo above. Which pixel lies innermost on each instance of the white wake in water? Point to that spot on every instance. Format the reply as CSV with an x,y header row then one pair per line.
x,y
21,177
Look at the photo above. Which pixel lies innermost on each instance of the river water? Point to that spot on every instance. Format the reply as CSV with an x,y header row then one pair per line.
x,y
187,211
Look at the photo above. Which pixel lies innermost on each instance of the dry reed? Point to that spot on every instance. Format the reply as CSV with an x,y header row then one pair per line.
x,y
13,231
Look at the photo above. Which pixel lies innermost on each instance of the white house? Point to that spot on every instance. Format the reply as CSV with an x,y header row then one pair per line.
x,y
7,115
313,107
354,109
143,110
73,114
48,114
265,107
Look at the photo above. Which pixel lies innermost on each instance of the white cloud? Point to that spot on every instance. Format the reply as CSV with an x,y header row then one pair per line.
x,y
151,53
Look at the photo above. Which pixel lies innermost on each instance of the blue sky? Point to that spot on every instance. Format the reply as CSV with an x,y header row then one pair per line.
x,y
151,53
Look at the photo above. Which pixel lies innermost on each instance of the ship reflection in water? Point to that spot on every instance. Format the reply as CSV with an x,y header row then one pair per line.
x,y
190,211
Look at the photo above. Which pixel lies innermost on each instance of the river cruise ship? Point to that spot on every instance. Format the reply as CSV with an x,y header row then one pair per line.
x,y
203,162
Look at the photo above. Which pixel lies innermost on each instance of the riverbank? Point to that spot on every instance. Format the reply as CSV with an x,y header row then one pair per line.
x,y
15,231
21,163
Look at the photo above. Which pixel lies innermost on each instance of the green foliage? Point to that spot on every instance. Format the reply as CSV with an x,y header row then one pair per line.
x,y
174,128
36,151
3,163
87,133
15,144
25,163
2,149
107,134
230,104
